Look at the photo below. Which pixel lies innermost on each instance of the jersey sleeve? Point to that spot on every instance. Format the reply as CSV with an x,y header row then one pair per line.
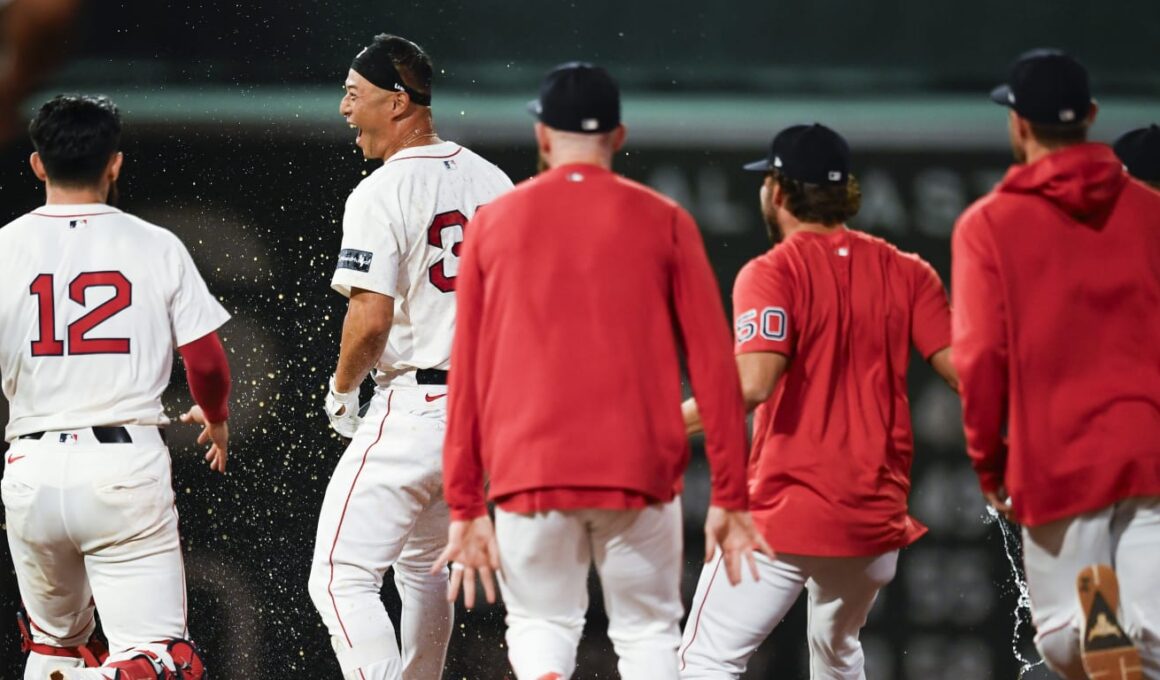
x,y
930,321
763,314
193,311
373,243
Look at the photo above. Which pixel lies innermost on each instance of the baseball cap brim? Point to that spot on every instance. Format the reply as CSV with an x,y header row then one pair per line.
x,y
1002,95
535,108
762,165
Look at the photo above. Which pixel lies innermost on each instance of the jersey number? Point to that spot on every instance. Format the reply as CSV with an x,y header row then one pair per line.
x,y
46,345
772,326
446,229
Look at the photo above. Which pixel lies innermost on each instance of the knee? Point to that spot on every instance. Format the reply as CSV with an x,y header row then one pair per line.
x,y
1060,651
835,650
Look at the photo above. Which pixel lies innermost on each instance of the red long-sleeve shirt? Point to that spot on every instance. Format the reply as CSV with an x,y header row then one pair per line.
x,y
1056,286
576,292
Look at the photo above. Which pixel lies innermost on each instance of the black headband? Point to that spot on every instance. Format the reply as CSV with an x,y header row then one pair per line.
x,y
374,63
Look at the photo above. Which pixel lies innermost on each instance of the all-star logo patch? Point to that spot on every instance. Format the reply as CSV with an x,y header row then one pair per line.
x,y
358,260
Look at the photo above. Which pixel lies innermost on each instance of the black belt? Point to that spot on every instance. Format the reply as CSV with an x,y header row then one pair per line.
x,y
103,434
431,376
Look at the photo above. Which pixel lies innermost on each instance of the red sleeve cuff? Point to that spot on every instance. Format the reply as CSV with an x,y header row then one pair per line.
x,y
468,513
731,502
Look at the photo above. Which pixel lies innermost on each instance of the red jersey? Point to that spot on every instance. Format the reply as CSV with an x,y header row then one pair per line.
x,y
830,469
1056,282
577,291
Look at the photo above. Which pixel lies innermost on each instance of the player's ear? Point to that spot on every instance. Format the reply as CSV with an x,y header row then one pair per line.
x,y
776,195
618,137
38,166
543,139
113,170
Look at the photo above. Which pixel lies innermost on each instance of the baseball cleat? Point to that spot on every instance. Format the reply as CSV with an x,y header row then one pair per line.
x,y
1107,651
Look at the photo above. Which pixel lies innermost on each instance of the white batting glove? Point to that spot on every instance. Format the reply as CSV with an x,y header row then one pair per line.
x,y
342,409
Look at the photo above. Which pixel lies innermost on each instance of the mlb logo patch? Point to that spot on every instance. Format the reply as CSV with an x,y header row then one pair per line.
x,y
449,164
68,437
73,224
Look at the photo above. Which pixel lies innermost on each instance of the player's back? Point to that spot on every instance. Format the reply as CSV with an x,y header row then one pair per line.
x,y
403,229
845,307
97,300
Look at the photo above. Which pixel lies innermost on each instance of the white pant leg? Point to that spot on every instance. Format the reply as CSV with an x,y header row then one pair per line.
x,y
386,477
728,623
544,561
1053,555
638,558
841,592
1137,563
127,528
425,624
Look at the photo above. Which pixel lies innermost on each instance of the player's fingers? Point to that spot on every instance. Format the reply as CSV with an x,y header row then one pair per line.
x,y
445,557
468,587
752,565
710,547
493,553
733,567
453,584
764,547
488,577
203,438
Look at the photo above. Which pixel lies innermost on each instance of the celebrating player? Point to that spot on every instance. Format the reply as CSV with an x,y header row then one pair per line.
x,y
384,507
1139,150
95,303
577,291
824,325
1054,277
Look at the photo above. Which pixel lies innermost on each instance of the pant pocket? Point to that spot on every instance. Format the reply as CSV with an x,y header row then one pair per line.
x,y
18,498
134,506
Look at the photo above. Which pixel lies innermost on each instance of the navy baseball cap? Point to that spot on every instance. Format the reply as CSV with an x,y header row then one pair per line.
x,y
1046,86
578,97
813,154
1139,151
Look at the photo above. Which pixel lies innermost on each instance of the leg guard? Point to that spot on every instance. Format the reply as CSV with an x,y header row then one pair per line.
x,y
168,660
93,653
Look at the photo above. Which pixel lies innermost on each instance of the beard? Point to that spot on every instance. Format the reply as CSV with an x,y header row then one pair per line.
x,y
1017,150
772,229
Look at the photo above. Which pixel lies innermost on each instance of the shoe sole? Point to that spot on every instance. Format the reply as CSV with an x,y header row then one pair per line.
x,y
1107,652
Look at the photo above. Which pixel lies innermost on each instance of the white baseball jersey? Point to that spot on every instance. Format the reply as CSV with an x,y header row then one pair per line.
x,y
94,303
401,235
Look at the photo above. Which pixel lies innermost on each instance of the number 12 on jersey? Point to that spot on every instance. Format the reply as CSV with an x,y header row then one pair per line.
x,y
47,345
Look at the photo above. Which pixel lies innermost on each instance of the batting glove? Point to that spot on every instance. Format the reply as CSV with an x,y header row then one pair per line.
x,y
342,409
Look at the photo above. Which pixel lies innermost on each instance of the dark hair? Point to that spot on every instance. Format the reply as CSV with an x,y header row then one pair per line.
x,y
412,63
825,204
76,135
1054,135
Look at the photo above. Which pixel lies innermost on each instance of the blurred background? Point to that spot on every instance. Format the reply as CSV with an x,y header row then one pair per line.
x,y
233,141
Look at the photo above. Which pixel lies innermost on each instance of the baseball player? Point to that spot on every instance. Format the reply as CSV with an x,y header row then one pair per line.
x,y
1139,150
824,325
402,233
578,292
95,302
1056,276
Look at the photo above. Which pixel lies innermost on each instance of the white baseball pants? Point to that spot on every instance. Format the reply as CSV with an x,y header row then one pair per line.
x,y
545,558
728,623
384,508
93,525
1125,535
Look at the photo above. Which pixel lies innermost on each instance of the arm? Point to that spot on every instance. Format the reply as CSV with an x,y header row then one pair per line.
x,y
940,361
979,356
701,319
364,336
759,372
208,373
471,542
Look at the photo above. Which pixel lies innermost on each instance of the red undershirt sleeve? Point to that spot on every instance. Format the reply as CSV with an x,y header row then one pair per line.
x,y
208,373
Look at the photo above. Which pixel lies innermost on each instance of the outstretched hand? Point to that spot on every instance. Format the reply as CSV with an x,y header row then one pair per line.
x,y
734,534
471,549
215,434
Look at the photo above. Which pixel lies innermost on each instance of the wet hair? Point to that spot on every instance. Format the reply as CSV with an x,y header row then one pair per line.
x,y
76,135
412,63
1054,135
825,204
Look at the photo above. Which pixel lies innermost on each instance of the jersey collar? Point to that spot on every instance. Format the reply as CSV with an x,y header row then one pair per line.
x,y
74,209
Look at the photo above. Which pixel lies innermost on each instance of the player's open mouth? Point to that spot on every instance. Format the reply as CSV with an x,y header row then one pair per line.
x,y
357,134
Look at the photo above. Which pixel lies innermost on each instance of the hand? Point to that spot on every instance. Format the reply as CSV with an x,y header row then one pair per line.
x,y
734,534
999,500
472,547
342,409
218,433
